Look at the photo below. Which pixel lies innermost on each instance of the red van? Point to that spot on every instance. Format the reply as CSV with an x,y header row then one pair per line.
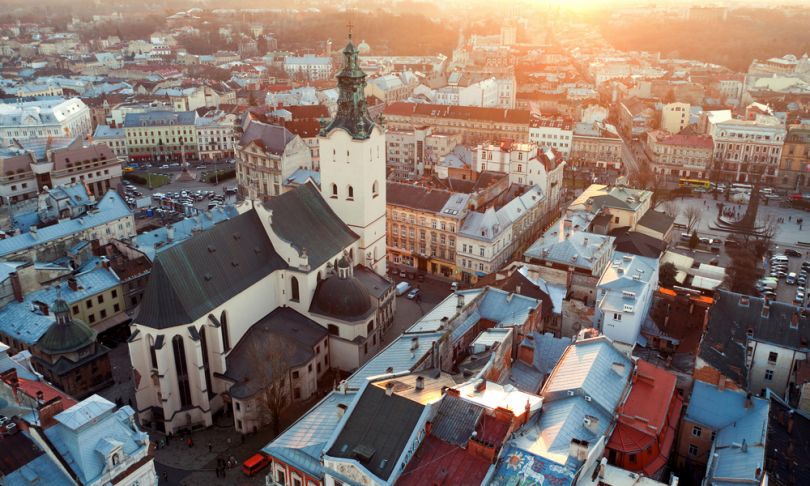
x,y
255,463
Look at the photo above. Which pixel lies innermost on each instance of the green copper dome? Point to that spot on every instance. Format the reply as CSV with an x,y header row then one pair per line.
x,y
66,335
352,112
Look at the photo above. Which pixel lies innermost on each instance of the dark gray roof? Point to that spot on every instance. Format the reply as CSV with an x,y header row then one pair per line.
x,y
284,328
637,243
343,298
303,218
416,197
273,138
375,283
159,118
197,275
377,431
724,344
656,221
788,444
455,420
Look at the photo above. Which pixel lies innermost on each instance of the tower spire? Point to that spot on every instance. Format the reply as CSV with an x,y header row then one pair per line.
x,y
352,112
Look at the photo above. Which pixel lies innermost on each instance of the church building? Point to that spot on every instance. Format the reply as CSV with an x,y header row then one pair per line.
x,y
303,271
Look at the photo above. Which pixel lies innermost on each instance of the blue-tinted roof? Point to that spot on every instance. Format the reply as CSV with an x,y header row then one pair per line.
x,y
20,322
109,208
155,241
732,462
717,408
92,426
159,118
396,355
303,442
42,470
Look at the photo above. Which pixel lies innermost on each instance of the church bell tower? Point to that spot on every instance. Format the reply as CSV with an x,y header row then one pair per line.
x,y
352,150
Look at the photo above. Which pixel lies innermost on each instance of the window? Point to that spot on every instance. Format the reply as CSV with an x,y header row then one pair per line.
x,y
223,323
294,289
772,357
617,316
89,303
334,190
116,307
281,478
375,189
351,193
114,293
91,318
115,460
103,313
696,431
768,375
632,458
181,368
75,309
693,450
153,352
295,375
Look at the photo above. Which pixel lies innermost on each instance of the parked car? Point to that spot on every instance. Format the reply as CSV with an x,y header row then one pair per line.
x,y
255,463
792,253
402,287
731,244
414,293
791,278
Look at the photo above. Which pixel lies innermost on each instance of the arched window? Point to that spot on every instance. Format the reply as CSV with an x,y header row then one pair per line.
x,y
206,365
318,278
370,327
152,351
375,189
226,339
334,190
115,460
181,367
294,289
351,193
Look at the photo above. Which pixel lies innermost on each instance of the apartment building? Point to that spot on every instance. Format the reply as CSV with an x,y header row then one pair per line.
x,y
423,226
309,66
411,152
30,166
474,124
161,136
266,155
43,117
743,147
675,116
636,117
114,138
216,135
794,166
556,132
675,156
597,144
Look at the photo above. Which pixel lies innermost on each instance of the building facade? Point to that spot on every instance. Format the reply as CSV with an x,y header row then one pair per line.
x,y
411,152
794,166
161,136
679,156
554,132
745,147
43,117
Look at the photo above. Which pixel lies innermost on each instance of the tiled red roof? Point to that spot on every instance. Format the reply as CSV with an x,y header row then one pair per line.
x,y
553,122
31,388
303,128
688,140
402,108
437,462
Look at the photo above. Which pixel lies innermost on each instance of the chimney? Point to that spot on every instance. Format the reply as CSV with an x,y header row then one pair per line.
x,y
602,466
170,233
460,304
16,286
105,262
40,397
591,423
481,386
73,284
579,449
341,409
344,387
43,307
389,388
420,383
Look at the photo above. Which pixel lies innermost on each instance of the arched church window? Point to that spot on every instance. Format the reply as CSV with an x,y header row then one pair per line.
x,y
223,323
375,189
294,289
351,193
181,368
206,364
334,190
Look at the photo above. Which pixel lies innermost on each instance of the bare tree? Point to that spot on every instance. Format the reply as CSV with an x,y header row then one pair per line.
x,y
272,372
670,209
693,215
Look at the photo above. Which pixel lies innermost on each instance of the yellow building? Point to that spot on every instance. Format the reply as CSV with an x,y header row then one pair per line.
x,y
794,167
161,136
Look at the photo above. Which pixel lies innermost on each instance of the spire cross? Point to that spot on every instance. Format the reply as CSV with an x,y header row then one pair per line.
x,y
349,25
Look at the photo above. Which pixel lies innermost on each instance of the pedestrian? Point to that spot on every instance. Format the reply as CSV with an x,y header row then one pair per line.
x,y
210,446
189,442
165,477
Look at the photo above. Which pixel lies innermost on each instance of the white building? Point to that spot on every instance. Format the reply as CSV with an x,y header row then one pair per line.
x,y
102,445
409,152
741,145
216,135
675,116
114,138
624,295
43,117
526,164
555,132
487,240
310,66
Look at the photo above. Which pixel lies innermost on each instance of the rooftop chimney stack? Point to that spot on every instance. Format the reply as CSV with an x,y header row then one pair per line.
x,y
389,388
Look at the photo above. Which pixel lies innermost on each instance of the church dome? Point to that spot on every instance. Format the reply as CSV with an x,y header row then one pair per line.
x,y
66,335
363,48
342,295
